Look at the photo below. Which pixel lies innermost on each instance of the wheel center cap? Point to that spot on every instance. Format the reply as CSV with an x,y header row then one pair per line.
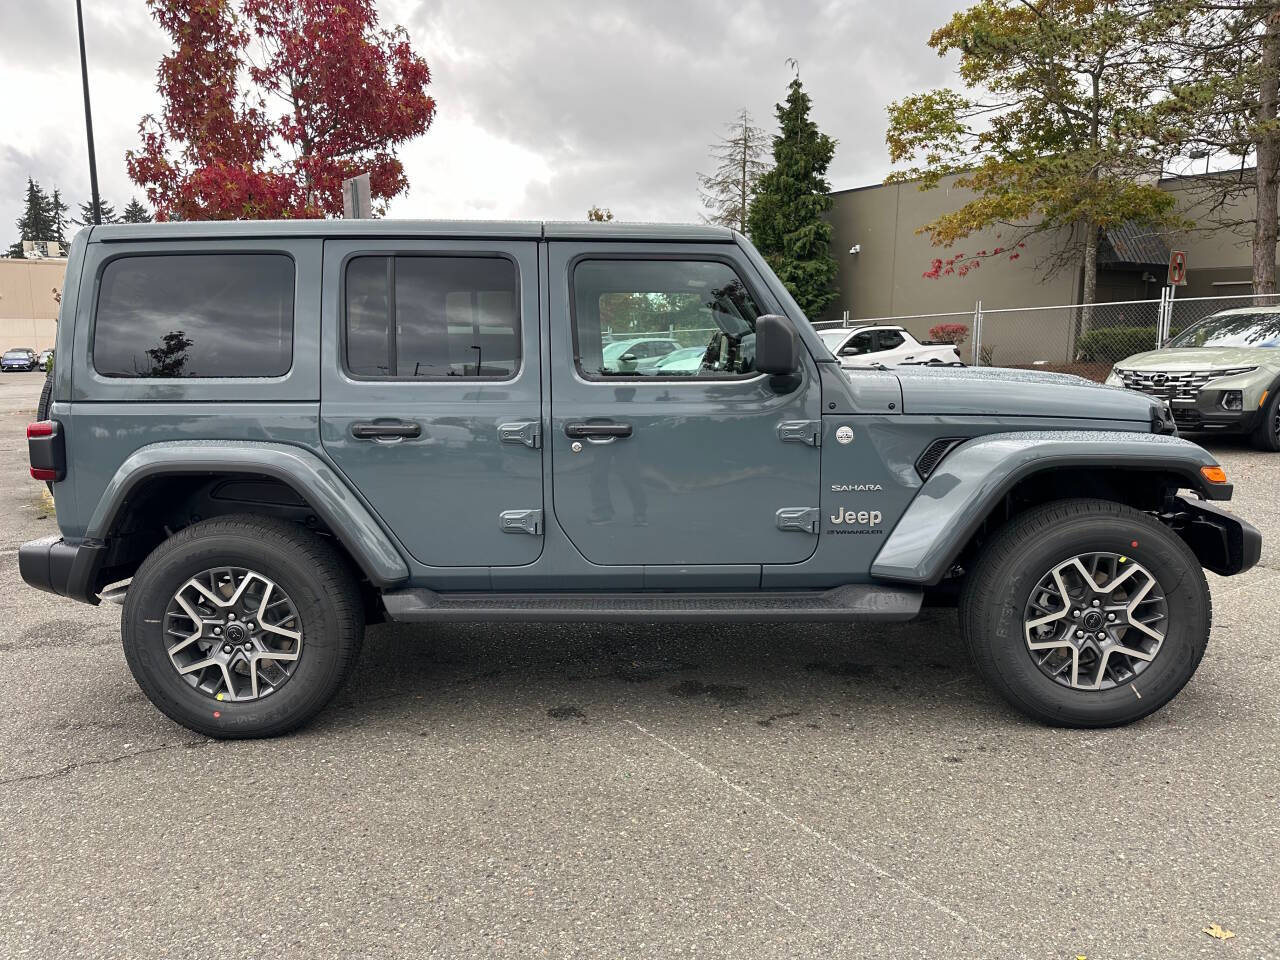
x,y
1093,620
236,633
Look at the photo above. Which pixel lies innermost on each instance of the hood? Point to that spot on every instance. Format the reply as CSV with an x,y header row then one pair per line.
x,y
1202,358
999,391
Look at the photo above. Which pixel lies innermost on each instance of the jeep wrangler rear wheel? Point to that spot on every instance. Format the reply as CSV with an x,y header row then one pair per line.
x,y
242,626
1086,613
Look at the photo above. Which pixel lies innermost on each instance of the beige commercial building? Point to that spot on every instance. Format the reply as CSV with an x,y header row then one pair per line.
x,y
29,291
883,258
884,261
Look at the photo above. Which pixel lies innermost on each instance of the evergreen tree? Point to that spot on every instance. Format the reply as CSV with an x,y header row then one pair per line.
x,y
107,210
34,224
135,212
740,163
57,214
785,220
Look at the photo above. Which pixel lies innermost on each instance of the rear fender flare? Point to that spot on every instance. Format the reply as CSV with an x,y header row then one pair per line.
x,y
952,504
333,501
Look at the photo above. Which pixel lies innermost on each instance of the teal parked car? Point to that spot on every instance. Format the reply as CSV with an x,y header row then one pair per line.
x,y
262,436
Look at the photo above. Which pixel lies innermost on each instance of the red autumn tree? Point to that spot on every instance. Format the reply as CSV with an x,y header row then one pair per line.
x,y
270,104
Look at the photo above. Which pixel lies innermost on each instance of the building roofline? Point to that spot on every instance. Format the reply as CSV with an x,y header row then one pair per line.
x,y
1171,178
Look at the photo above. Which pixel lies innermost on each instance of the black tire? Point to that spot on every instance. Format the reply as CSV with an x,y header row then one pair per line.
x,y
305,566
994,599
1266,435
46,392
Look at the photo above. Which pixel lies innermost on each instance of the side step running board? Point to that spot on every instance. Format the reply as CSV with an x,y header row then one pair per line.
x,y
850,602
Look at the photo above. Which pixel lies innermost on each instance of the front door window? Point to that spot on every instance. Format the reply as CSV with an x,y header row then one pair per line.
x,y
857,345
662,318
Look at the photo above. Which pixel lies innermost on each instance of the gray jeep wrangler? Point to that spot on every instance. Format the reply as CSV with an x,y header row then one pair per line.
x,y
265,435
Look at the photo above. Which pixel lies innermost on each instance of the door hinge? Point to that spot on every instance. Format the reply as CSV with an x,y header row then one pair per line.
x,y
521,521
800,519
801,431
528,432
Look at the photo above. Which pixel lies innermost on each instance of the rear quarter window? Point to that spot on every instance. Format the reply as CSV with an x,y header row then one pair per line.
x,y
195,315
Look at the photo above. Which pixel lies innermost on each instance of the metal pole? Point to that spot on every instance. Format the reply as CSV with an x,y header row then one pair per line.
x,y
977,334
1164,297
88,120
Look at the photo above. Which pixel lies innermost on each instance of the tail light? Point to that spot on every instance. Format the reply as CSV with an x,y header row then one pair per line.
x,y
46,450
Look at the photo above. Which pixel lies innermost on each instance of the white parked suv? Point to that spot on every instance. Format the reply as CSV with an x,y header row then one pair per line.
x,y
887,345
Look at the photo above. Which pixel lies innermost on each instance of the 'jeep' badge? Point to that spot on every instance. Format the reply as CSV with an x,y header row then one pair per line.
x,y
844,435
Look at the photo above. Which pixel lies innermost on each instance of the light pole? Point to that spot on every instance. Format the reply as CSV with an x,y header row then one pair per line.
x,y
88,120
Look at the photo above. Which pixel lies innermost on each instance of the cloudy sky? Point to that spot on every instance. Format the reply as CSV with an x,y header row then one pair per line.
x,y
543,108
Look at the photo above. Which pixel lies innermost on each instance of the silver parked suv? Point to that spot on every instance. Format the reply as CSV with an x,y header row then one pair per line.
x,y
1219,375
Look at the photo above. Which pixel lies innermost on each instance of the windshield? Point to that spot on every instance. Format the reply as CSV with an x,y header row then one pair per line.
x,y
832,337
15,353
1232,330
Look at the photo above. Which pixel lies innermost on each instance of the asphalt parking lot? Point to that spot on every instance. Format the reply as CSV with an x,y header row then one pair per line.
x,y
609,791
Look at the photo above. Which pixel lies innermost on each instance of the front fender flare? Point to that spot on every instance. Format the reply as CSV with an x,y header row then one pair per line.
x,y
952,504
333,501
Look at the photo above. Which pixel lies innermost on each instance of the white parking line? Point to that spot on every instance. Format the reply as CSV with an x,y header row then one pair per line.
x,y
905,885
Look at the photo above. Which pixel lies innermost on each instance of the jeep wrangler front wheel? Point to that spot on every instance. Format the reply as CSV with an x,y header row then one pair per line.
x,y
242,626
1086,613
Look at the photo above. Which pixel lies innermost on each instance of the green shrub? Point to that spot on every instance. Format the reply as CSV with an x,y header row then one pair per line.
x,y
1111,344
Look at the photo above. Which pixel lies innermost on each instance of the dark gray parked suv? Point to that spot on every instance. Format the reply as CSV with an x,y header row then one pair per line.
x,y
263,436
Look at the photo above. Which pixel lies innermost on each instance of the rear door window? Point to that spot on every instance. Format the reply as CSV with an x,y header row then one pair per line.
x,y
890,339
432,317
195,315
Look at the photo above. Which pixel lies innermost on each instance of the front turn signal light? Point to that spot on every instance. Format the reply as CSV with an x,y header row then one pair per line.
x,y
1214,474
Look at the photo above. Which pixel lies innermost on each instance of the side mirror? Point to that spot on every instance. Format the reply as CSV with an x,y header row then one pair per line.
x,y
777,345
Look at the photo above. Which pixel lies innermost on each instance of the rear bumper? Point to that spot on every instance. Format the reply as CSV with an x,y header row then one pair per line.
x,y
69,570
1222,542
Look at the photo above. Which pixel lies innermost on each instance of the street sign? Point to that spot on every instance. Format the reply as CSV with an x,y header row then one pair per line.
x,y
357,204
1178,268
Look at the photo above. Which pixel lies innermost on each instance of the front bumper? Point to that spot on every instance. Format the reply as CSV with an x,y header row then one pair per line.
x,y
69,570
1222,542
1206,415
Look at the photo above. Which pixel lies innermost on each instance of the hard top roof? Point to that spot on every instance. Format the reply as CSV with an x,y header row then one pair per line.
x,y
1237,311
856,326
425,229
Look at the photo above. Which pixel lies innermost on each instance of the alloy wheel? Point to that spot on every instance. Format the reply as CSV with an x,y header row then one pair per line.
x,y
1095,621
233,634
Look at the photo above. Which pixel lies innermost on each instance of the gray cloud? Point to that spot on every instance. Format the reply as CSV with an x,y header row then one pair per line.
x,y
618,100
624,100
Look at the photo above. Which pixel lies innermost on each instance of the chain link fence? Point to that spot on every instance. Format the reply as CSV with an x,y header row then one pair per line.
x,y
1086,340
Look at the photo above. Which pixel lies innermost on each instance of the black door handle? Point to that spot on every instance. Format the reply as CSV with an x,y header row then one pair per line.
x,y
598,430
386,430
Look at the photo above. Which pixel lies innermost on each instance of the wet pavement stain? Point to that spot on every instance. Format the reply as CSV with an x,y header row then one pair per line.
x,y
642,671
723,694
568,712
847,669
768,721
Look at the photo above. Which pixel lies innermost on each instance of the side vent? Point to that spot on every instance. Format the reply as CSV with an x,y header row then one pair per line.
x,y
934,454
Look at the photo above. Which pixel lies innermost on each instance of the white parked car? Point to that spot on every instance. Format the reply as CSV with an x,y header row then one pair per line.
x,y
885,344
